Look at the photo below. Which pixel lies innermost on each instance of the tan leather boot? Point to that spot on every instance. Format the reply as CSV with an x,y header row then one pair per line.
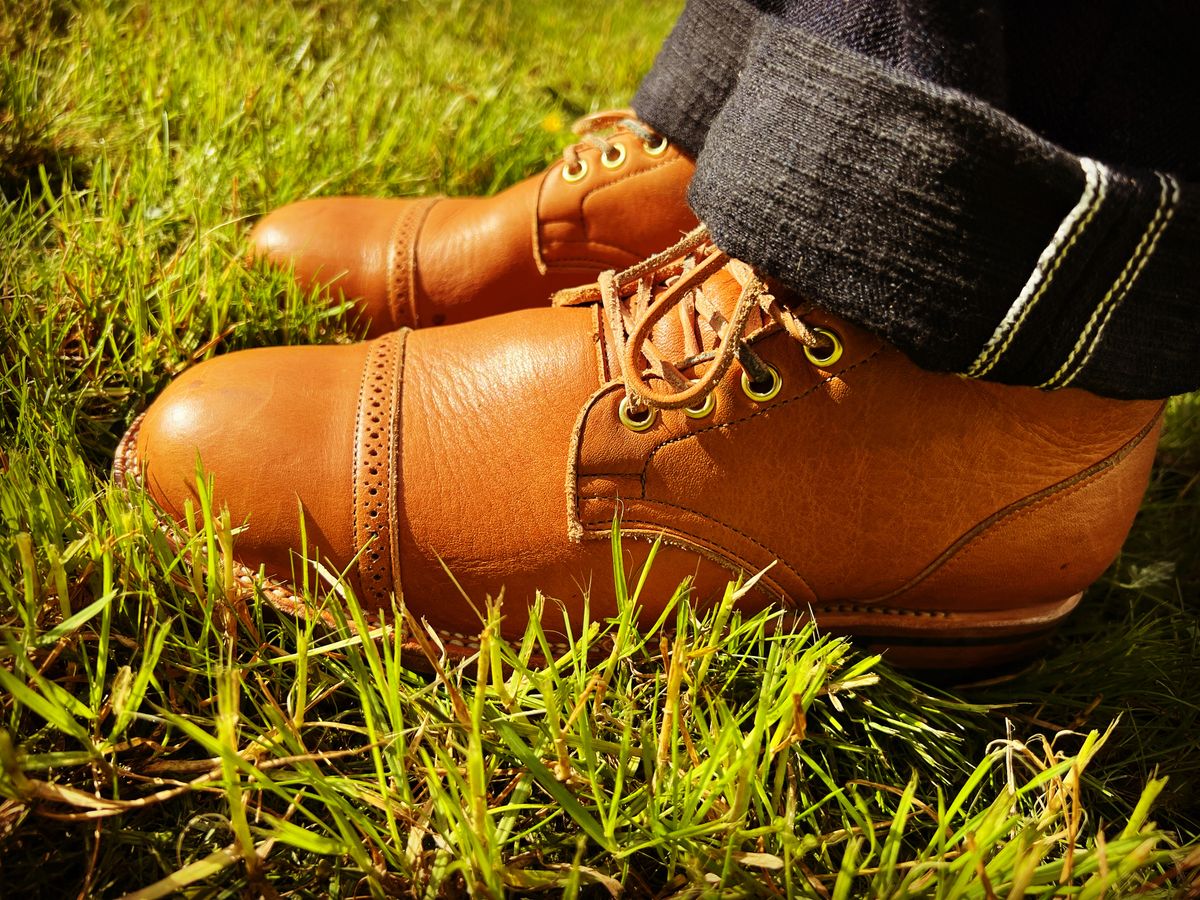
x,y
611,201
951,521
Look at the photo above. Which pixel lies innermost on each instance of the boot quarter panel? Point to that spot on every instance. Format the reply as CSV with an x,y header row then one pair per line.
x,y
886,467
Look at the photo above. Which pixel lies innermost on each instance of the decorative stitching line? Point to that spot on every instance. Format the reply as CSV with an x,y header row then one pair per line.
x,y
1094,192
358,450
1168,198
734,556
1014,510
601,346
966,545
590,265
373,465
402,261
394,461
662,163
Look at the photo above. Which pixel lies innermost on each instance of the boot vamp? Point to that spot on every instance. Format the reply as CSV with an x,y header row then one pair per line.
x,y
489,411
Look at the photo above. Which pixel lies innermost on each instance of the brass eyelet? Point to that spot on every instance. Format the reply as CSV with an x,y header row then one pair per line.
x,y
832,355
617,158
762,396
704,409
576,174
656,149
625,414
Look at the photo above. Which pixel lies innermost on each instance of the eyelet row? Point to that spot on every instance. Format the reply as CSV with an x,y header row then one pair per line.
x,y
613,158
642,420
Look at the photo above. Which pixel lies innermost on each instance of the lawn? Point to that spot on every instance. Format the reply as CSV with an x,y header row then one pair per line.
x,y
157,739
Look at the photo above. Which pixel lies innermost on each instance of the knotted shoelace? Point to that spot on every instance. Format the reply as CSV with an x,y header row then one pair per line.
x,y
590,129
631,311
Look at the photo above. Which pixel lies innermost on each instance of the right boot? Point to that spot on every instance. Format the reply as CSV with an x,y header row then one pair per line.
x,y
613,199
950,520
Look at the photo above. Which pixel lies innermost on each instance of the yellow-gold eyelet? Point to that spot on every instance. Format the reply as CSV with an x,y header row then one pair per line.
x,y
575,174
631,421
657,148
762,396
830,356
699,412
618,156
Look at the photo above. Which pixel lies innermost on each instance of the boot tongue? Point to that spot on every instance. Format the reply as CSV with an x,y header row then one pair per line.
x,y
686,331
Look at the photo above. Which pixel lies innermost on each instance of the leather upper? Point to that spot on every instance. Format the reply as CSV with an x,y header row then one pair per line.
x,y
493,452
432,261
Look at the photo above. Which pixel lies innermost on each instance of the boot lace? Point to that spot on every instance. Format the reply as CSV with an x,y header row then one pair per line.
x,y
592,130
631,311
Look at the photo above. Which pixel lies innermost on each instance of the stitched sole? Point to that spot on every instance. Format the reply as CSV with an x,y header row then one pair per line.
x,y
949,640
930,640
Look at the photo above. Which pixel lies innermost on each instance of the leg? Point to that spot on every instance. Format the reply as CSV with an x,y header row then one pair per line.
x,y
946,226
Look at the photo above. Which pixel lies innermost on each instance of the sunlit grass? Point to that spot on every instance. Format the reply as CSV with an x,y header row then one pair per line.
x,y
157,736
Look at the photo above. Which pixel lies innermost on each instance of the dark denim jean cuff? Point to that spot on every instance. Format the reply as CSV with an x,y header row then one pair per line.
x,y
945,226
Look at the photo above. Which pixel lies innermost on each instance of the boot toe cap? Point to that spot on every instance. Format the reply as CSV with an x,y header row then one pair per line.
x,y
343,244
273,429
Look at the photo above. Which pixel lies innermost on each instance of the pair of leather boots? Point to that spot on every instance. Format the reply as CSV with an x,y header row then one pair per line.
x,y
952,521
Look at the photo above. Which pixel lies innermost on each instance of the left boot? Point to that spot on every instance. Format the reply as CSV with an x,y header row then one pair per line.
x,y
952,521
613,199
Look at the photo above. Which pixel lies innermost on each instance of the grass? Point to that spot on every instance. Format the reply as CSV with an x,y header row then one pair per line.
x,y
156,738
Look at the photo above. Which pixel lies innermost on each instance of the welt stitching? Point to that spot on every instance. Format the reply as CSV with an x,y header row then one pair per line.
x,y
125,463
284,596
882,610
